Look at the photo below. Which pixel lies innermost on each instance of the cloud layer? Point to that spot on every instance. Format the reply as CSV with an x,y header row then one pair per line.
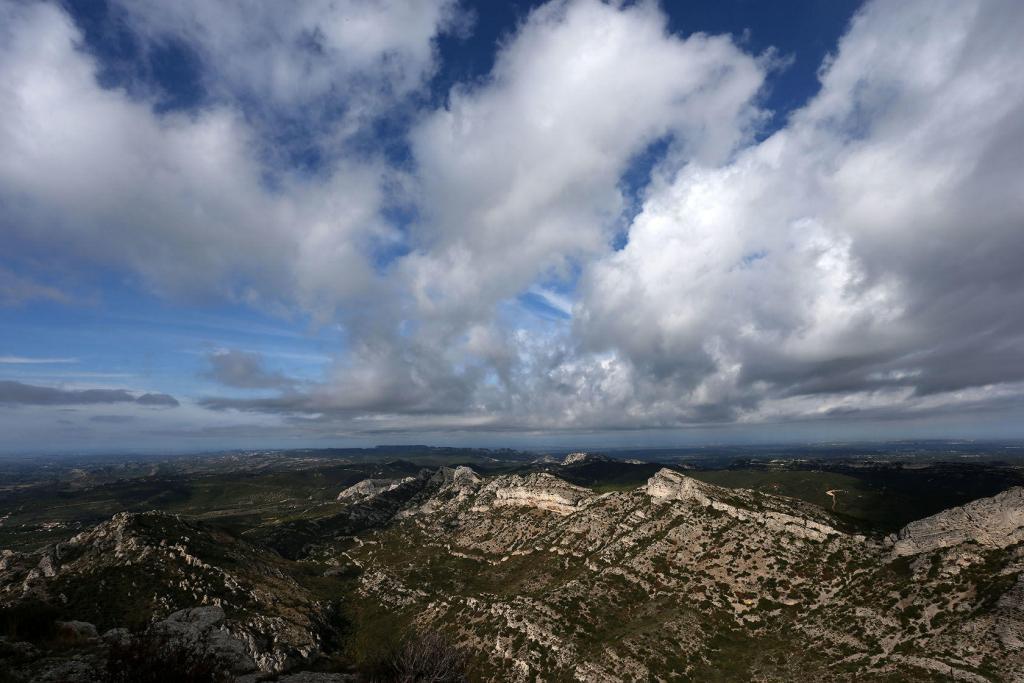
x,y
860,262
17,393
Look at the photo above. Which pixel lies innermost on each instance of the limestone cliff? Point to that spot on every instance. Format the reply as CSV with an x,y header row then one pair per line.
x,y
996,522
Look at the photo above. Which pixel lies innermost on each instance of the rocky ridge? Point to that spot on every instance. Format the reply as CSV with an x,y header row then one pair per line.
x,y
370,488
159,564
674,579
996,522
798,597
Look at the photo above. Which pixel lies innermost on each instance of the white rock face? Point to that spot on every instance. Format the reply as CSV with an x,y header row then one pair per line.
x,y
542,491
668,484
461,477
582,457
995,522
574,458
368,488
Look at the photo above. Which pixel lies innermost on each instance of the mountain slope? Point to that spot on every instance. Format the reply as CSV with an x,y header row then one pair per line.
x,y
141,566
538,577
681,578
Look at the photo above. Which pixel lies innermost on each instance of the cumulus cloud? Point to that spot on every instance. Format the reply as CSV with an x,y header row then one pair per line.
x,y
346,61
182,200
518,178
863,258
520,175
870,248
862,261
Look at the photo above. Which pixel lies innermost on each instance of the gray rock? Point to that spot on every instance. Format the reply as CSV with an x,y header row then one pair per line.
x,y
542,491
201,626
996,522
199,618
369,488
582,457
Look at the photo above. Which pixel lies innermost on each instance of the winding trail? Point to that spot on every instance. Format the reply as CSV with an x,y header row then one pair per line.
x,y
832,494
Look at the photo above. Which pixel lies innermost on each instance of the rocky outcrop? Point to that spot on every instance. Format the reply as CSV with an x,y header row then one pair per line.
x,y
203,628
542,491
195,581
996,522
76,632
461,478
773,513
668,484
369,488
447,489
582,457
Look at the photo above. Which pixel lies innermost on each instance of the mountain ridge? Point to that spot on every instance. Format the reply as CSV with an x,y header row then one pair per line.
x,y
537,576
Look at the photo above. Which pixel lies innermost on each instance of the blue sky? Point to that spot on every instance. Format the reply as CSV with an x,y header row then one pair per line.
x,y
490,223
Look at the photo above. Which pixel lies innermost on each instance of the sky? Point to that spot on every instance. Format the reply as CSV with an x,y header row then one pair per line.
x,y
227,224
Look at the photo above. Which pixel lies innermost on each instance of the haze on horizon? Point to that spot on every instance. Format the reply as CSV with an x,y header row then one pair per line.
x,y
571,222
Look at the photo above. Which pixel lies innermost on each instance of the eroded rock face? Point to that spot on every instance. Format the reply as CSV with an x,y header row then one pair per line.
x,y
747,506
542,491
369,488
460,477
667,484
996,522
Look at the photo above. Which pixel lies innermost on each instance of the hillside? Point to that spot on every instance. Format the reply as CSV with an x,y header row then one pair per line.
x,y
534,576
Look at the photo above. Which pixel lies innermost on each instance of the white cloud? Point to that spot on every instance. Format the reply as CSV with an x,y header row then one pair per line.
x,y
180,199
861,261
347,59
520,174
878,235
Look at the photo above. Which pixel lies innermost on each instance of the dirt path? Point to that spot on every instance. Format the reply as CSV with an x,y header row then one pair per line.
x,y
831,493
